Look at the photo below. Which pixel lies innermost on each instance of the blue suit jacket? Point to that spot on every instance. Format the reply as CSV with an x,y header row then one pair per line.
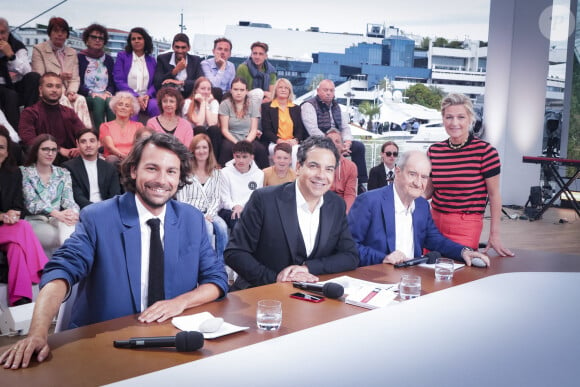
x,y
104,255
372,223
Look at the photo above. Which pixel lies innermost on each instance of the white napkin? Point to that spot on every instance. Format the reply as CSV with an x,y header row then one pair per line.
x,y
192,323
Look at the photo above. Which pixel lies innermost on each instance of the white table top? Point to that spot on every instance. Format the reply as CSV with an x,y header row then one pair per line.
x,y
516,329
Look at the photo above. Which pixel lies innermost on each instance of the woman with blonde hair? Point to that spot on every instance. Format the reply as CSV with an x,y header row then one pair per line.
x,y
282,119
464,177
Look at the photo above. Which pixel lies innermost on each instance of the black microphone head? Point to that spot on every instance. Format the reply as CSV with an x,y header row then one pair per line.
x,y
188,341
433,256
332,290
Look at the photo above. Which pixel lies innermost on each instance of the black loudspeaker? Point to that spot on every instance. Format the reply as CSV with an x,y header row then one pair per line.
x,y
535,196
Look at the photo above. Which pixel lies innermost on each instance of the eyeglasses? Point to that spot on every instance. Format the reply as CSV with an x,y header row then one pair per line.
x,y
389,154
49,150
97,37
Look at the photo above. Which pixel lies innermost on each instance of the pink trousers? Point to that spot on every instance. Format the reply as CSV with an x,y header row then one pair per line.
x,y
26,259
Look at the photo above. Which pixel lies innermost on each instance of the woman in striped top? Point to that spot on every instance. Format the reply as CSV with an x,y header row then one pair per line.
x,y
204,191
465,174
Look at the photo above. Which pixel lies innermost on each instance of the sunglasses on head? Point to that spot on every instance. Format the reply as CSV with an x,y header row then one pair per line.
x,y
389,154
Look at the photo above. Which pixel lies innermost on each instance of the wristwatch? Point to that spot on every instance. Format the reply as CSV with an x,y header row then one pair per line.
x,y
465,249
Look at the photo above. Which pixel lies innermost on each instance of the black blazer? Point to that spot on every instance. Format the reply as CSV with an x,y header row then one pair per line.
x,y
377,177
267,238
11,197
108,176
270,123
163,72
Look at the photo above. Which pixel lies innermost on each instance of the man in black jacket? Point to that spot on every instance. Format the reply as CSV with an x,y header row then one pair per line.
x,y
93,179
178,68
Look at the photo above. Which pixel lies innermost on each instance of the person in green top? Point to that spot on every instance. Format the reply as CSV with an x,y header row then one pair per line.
x,y
258,73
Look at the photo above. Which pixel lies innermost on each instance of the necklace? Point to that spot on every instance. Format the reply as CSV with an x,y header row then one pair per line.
x,y
457,146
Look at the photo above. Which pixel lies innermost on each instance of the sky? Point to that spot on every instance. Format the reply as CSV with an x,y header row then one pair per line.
x,y
451,19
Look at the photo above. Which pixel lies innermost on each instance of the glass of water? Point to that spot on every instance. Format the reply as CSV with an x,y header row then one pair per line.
x,y
409,287
269,315
443,269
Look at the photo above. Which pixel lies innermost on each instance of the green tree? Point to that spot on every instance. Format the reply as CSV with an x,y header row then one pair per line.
x,y
425,43
440,42
425,96
455,44
368,109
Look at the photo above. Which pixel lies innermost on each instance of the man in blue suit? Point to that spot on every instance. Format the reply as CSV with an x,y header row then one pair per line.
x,y
393,224
108,254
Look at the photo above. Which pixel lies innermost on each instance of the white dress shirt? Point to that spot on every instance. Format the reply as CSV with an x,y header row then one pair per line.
x,y
404,227
144,216
308,221
92,172
138,77
182,75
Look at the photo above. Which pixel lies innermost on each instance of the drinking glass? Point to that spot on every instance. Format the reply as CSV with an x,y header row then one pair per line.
x,y
409,287
269,315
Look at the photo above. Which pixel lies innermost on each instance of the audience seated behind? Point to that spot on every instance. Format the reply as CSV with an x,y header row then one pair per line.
x,y
219,70
241,177
170,121
117,136
96,74
282,120
204,191
384,173
178,68
239,115
93,179
321,113
201,109
281,172
54,56
48,195
47,116
259,74
18,84
135,69
345,175
23,252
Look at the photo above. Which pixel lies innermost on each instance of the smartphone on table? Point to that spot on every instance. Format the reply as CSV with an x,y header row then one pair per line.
x,y
307,297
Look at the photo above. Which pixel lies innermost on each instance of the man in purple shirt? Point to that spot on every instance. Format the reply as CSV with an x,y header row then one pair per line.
x,y
219,70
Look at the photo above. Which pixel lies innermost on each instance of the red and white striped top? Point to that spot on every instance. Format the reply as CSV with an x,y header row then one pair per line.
x,y
458,175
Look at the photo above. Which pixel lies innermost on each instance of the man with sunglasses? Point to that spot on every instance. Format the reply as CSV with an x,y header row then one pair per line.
x,y
178,68
384,173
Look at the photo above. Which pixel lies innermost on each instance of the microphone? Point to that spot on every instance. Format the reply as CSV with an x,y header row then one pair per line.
x,y
329,289
430,258
183,342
